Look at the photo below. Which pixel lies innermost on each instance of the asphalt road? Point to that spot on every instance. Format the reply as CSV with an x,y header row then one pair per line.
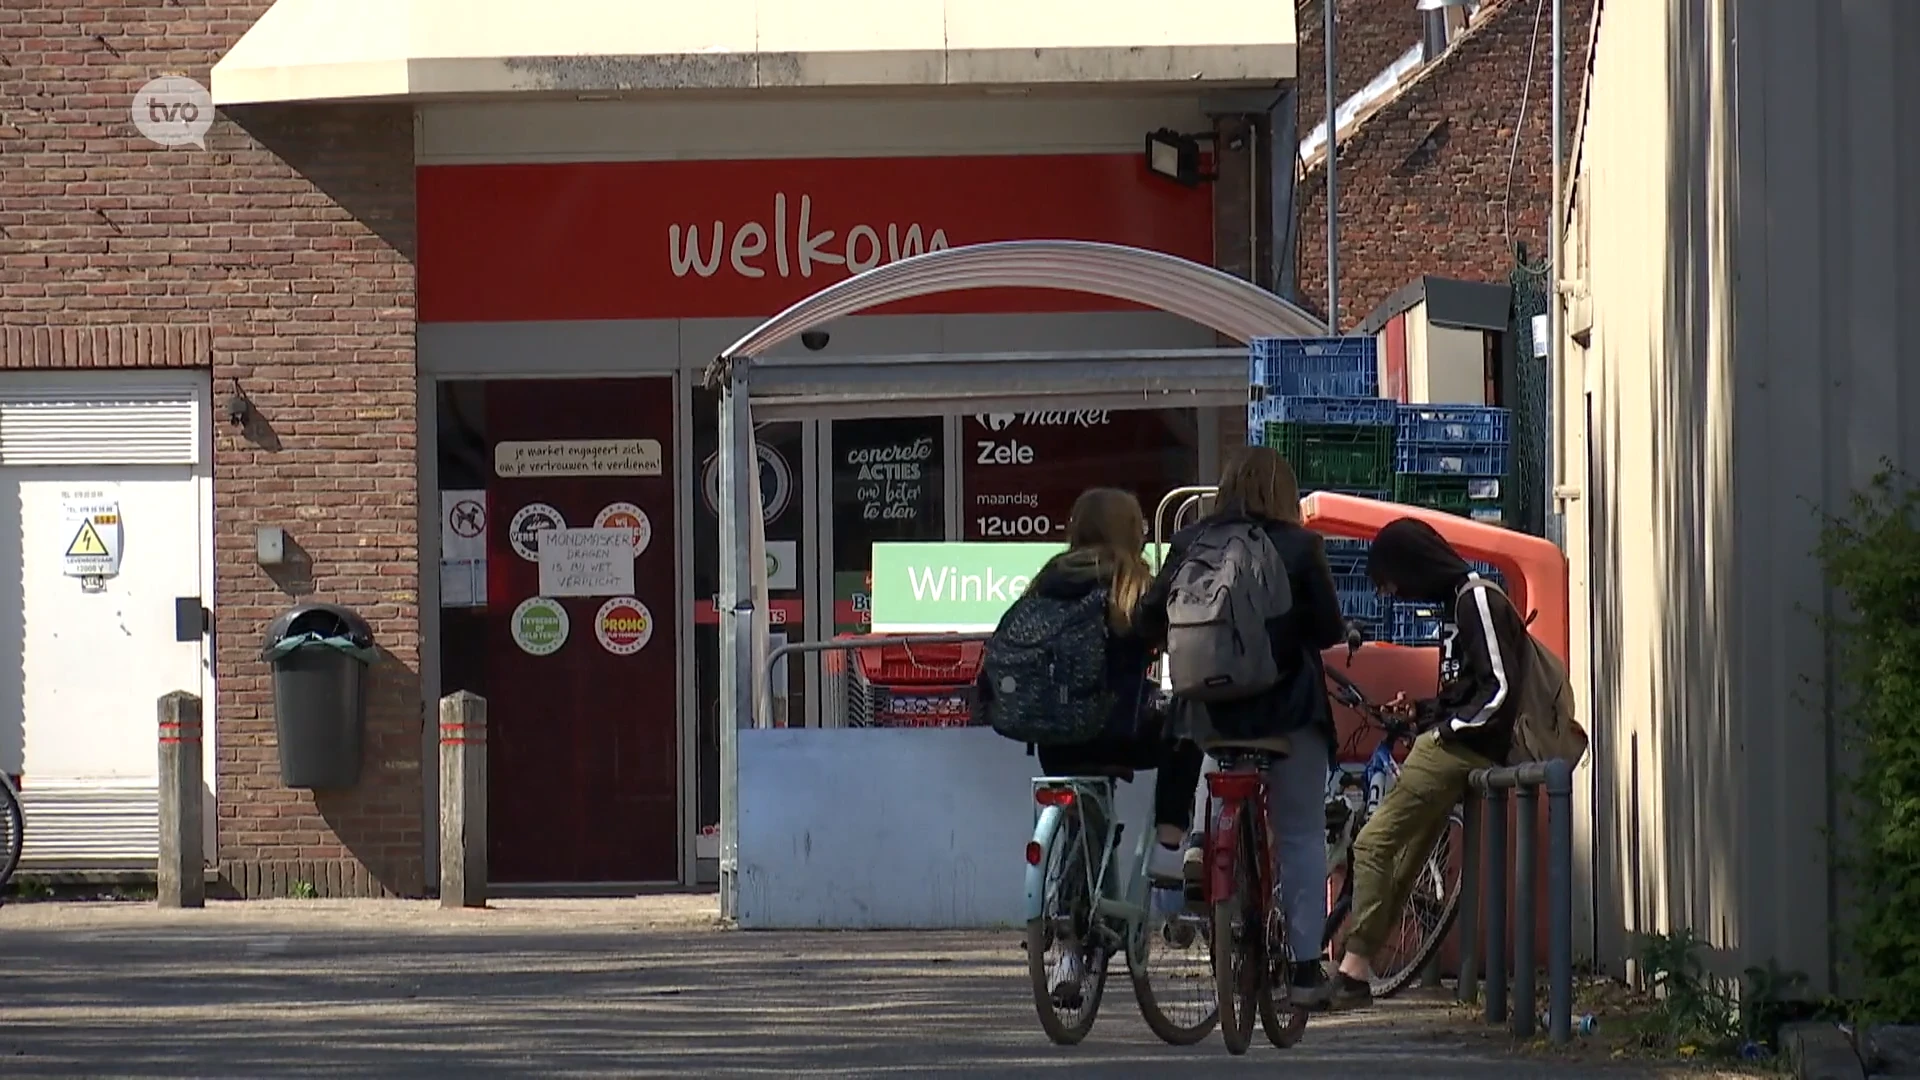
x,y
625,988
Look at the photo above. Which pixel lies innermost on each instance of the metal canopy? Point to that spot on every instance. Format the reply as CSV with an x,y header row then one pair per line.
x,y
752,386
938,384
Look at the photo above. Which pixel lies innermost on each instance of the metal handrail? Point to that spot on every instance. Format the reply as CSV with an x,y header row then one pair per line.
x,y
1486,826
774,656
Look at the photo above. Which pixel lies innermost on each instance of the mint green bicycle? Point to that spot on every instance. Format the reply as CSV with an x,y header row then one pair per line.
x,y
1089,899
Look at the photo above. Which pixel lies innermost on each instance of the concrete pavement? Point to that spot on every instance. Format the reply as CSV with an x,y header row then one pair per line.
x,y
646,987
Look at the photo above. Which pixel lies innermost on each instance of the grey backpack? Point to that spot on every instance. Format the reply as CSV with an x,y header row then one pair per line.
x,y
1229,583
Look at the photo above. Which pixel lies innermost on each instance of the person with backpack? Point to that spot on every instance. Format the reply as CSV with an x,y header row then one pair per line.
x,y
1067,673
1503,698
1244,605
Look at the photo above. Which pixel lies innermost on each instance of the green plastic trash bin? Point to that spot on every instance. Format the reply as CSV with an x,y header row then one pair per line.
x,y
319,654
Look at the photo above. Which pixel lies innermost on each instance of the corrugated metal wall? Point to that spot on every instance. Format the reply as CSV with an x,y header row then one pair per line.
x,y
1748,237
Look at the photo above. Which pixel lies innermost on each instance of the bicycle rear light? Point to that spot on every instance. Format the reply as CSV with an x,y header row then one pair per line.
x,y
1034,853
1233,785
1058,796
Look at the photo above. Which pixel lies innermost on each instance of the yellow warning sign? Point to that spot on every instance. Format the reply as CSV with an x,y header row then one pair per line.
x,y
87,543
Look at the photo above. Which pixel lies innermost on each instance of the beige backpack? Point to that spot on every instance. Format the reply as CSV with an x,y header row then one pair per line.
x,y
1544,727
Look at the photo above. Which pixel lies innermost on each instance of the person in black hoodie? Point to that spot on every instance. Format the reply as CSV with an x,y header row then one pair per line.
x,y
1258,486
1482,640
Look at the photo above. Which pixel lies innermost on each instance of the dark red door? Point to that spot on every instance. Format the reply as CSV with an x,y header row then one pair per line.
x,y
583,711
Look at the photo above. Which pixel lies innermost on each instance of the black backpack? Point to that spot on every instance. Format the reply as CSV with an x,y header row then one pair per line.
x,y
1046,669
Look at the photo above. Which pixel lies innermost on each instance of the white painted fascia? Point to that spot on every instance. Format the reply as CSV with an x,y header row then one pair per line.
x,y
333,50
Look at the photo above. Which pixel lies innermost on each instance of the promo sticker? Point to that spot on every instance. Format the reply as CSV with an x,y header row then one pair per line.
x,y
532,520
624,515
539,626
624,626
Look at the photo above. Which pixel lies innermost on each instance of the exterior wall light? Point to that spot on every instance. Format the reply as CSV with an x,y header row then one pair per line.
x,y
1176,156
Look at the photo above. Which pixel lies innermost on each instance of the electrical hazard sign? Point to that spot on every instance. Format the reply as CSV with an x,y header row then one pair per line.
x,y
87,544
92,534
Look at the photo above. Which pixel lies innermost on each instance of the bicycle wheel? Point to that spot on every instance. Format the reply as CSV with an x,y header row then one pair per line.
x,y
12,831
1065,963
1282,1020
1238,936
1171,966
1432,906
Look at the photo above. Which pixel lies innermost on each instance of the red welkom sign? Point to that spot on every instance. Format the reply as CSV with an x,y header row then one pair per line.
x,y
714,239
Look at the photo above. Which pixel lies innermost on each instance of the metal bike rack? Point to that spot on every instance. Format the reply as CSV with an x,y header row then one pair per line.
x,y
1484,867
1190,495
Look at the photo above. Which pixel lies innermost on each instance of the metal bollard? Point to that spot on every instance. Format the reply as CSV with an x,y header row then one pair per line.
x,y
1469,985
1525,840
1559,785
1495,878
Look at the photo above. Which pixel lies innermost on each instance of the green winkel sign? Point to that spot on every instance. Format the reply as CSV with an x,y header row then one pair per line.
x,y
921,588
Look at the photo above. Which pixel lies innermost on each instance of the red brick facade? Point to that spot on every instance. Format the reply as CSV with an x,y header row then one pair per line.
x,y
282,257
1425,185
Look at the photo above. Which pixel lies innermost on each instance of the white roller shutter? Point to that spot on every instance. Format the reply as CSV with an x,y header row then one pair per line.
x,y
96,825
127,419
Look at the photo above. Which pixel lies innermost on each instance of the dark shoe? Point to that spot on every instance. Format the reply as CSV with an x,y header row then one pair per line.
x,y
1308,986
1349,993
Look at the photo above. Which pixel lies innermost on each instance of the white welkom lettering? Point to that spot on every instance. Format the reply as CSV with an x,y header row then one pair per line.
x,y
745,249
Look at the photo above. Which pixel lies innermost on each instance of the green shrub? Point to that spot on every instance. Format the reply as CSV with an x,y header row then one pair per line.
x,y
1872,555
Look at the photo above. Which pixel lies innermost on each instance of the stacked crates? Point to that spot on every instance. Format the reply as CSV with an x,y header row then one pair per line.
x,y
1452,458
1317,401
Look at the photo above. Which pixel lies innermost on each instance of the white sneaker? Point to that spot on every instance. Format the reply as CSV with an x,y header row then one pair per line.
x,y
1166,864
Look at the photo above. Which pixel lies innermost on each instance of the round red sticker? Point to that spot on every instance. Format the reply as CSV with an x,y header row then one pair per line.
x,y
624,626
625,515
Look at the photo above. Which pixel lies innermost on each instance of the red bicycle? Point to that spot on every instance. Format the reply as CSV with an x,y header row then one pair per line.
x,y
1251,955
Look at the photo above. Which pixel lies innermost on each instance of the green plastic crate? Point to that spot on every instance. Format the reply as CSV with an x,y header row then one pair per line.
x,y
1476,497
1335,455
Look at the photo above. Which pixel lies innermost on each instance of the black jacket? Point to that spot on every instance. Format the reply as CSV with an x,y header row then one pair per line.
x,y
1483,639
1070,576
1313,623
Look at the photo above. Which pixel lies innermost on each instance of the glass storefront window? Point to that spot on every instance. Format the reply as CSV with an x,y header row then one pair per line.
x,y
889,483
1021,472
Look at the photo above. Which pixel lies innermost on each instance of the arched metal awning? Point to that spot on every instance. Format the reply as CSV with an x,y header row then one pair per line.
x,y
754,385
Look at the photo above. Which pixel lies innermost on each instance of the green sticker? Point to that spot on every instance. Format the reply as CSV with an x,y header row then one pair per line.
x,y
540,626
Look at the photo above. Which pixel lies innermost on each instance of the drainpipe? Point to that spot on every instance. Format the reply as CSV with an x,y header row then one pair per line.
x,y
1556,411
1333,186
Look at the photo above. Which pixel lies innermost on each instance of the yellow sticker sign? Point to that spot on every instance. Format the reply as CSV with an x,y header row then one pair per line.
x,y
87,543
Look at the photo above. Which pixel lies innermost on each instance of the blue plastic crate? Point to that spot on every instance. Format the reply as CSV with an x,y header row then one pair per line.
x,y
1339,545
1427,459
1316,367
1364,606
1488,571
1451,424
1414,623
1349,565
1294,409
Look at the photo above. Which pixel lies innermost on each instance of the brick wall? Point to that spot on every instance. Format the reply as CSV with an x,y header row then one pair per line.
x,y
1425,185
281,255
1368,36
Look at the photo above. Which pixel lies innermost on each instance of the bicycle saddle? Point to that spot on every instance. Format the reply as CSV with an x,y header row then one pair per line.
x,y
1278,745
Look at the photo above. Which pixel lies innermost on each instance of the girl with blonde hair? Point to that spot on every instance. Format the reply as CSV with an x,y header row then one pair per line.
x,y
1105,537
